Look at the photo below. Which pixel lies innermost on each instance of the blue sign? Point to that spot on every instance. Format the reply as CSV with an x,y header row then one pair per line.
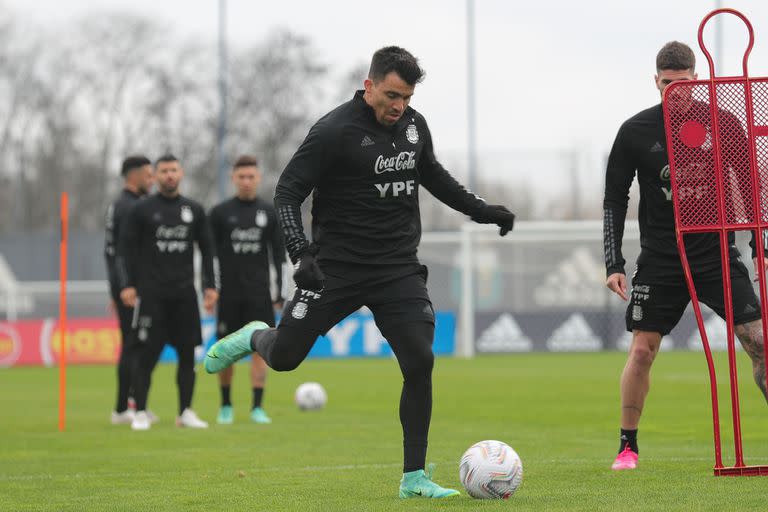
x,y
355,336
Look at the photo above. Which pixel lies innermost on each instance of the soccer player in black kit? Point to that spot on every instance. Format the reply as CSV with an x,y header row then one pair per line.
x,y
155,263
659,293
137,181
246,234
365,161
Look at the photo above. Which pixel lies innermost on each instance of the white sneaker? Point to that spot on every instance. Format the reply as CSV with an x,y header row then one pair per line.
x,y
122,418
141,421
153,418
189,419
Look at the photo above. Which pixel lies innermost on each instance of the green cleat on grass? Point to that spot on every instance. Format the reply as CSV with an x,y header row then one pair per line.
x,y
419,484
232,348
258,415
226,415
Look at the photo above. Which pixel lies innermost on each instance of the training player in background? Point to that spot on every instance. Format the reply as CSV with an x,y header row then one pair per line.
x,y
659,293
365,161
246,234
158,279
137,182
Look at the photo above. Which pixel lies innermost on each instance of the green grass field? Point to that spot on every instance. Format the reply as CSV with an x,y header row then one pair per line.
x,y
559,411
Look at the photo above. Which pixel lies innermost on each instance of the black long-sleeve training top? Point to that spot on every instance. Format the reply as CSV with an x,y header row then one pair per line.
x,y
640,146
366,179
156,248
245,234
116,215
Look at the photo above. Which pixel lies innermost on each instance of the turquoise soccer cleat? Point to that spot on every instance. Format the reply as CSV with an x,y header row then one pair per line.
x,y
258,415
232,348
419,484
226,415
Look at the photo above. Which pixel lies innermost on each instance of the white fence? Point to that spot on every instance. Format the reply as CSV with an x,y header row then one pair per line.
x,y
539,288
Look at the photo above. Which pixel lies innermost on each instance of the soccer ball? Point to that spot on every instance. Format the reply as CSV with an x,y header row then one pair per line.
x,y
310,396
490,469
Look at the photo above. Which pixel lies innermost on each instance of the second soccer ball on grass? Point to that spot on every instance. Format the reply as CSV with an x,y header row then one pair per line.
x,y
310,396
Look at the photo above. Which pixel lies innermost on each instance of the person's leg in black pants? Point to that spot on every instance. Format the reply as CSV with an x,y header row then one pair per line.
x,y
126,365
412,344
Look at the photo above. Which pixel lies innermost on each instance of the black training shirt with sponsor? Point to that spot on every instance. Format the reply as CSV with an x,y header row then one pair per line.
x,y
116,215
640,147
156,248
246,234
365,180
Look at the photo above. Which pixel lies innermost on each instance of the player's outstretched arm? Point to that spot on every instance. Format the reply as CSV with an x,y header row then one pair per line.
x,y
496,214
445,188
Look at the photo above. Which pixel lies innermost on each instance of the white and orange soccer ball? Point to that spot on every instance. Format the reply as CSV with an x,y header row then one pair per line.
x,y
310,396
491,470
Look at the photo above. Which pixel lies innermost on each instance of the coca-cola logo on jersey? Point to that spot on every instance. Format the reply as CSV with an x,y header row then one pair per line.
x,y
246,235
172,232
405,161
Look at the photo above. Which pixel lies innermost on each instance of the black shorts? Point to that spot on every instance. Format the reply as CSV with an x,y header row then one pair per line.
x,y
236,312
658,308
394,295
168,320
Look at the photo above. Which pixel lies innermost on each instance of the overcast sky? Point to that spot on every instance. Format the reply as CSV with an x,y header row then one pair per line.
x,y
550,74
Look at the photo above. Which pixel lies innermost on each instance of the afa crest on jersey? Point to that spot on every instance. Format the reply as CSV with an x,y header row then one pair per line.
x,y
412,134
299,310
186,214
261,218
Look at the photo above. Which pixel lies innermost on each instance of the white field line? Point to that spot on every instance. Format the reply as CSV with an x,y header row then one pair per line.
x,y
315,469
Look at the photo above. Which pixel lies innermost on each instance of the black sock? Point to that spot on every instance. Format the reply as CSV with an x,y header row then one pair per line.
x,y
628,437
225,396
258,395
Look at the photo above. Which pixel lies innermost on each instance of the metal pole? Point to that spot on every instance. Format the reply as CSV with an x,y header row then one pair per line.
x,y
471,110
465,344
223,180
573,158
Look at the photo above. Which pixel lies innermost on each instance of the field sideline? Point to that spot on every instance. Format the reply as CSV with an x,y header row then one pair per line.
x,y
559,411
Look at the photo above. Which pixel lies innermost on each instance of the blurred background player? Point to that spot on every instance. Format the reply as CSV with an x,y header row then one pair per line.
x,y
158,279
659,291
137,182
246,234
365,161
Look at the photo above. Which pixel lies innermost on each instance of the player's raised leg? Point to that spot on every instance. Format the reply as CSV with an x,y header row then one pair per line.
x,y
230,349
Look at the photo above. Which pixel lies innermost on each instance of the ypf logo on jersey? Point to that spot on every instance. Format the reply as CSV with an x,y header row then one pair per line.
x,y
664,176
261,218
412,134
187,215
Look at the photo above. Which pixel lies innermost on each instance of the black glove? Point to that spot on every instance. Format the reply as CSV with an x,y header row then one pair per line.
x,y
496,214
307,273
